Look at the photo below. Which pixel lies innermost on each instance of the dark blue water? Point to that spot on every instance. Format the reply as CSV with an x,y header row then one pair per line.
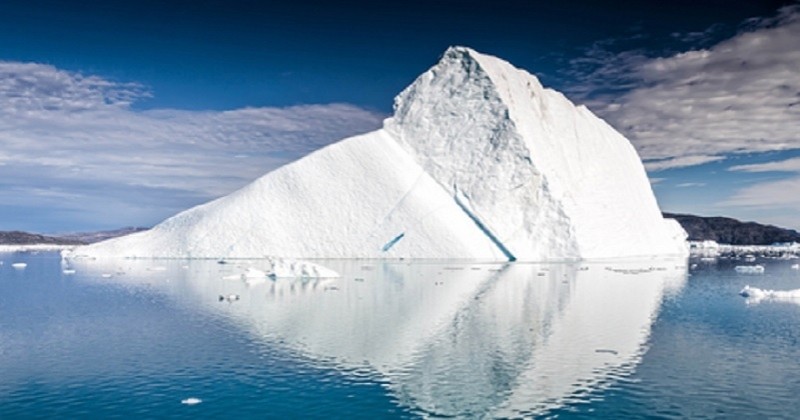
x,y
396,340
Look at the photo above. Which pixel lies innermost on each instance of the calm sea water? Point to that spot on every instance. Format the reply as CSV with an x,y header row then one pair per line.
x,y
396,340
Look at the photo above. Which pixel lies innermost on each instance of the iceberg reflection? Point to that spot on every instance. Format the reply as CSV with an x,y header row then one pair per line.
x,y
448,339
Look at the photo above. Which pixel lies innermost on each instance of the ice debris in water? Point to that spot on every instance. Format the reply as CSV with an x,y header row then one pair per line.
x,y
284,268
756,294
19,265
191,401
230,298
749,269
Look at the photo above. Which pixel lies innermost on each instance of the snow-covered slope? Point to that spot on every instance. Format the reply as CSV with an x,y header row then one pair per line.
x,y
479,161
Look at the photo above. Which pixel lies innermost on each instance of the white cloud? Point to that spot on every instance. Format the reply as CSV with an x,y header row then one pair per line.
x,y
769,195
74,143
741,95
788,165
691,184
780,197
680,162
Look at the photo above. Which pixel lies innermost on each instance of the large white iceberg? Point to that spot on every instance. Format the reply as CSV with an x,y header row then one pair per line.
x,y
479,161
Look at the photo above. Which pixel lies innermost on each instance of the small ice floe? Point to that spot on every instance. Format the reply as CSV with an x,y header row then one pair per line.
x,y
284,268
229,298
191,401
157,268
250,276
19,266
254,276
68,271
280,268
795,266
749,258
749,269
106,275
755,295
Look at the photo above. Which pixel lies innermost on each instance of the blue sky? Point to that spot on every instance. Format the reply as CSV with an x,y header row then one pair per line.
x,y
124,113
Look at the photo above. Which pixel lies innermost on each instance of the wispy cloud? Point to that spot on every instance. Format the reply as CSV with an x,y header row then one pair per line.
x,y
680,162
781,194
788,165
740,95
78,136
772,195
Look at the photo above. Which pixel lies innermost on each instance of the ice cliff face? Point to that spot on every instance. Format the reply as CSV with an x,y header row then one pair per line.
x,y
479,161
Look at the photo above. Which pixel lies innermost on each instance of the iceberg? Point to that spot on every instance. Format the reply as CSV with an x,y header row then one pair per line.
x,y
479,161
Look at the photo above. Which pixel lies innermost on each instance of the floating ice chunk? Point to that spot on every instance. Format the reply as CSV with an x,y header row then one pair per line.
x,y
755,295
106,275
295,268
254,273
284,268
191,401
19,266
750,269
254,276
795,266
68,271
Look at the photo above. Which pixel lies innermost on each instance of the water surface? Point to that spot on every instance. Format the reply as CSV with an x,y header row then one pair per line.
x,y
396,340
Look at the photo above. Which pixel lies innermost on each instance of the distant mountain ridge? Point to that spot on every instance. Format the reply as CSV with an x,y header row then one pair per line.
x,y
92,237
25,238
82,238
726,230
